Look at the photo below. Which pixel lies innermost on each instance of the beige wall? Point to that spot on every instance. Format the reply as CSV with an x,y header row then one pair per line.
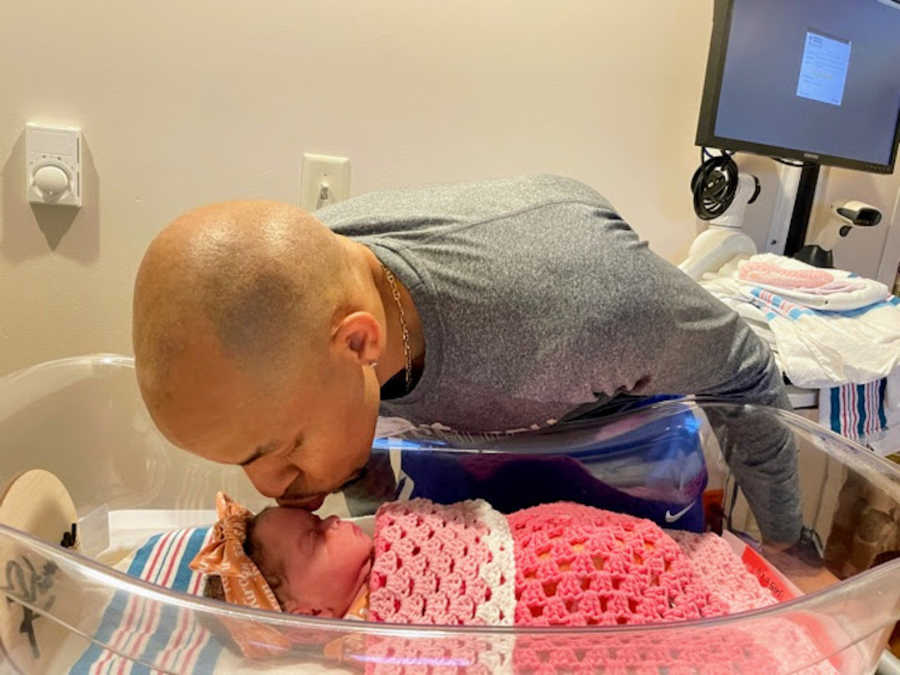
x,y
186,103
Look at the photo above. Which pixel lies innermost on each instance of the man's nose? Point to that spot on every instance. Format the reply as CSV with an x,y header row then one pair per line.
x,y
272,480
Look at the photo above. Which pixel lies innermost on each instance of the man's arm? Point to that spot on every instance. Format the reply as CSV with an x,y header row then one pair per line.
x,y
691,343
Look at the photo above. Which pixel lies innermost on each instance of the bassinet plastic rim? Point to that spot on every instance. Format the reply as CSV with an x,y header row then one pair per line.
x,y
878,470
123,582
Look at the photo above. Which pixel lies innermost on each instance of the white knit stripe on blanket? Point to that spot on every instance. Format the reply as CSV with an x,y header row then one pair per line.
x,y
500,573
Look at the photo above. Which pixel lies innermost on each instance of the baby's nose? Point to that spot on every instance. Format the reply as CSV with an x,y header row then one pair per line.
x,y
329,522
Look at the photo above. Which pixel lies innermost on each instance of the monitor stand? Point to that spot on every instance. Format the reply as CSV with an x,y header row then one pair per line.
x,y
806,193
793,205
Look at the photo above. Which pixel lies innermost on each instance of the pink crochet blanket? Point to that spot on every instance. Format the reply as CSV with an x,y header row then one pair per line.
x,y
556,564
442,564
577,565
567,564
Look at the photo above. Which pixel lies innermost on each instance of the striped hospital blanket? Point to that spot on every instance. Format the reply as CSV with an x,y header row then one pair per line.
x,y
856,411
165,638
821,349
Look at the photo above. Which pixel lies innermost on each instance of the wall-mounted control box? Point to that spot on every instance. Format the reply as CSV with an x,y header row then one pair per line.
x,y
53,165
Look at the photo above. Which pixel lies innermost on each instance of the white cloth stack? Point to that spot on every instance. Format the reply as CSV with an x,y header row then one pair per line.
x,y
816,347
830,330
812,287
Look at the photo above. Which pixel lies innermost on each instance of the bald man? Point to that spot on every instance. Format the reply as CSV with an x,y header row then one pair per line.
x,y
271,338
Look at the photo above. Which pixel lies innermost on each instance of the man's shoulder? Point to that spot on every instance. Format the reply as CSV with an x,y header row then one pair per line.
x,y
538,188
459,202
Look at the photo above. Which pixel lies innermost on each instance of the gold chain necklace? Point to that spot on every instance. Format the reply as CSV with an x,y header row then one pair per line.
x,y
407,354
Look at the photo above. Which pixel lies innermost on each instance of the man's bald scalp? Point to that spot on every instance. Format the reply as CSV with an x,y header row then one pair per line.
x,y
265,278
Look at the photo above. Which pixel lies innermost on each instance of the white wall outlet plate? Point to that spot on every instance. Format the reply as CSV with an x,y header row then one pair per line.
x,y
53,165
324,180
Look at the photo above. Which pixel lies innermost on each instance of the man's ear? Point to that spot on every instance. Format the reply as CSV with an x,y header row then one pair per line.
x,y
359,336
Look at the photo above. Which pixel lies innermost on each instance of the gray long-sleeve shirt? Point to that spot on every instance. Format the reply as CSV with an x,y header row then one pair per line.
x,y
538,302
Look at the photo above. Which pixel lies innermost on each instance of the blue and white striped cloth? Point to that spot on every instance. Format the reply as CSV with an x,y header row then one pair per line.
x,y
859,350
852,356
163,636
824,349
856,411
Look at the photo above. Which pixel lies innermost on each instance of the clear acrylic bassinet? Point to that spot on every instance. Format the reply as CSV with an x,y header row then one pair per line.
x,y
83,420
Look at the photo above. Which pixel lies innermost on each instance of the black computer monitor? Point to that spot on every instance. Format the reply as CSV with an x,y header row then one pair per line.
x,y
811,80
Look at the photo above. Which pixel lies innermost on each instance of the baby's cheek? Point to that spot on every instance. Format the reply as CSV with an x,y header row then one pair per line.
x,y
339,577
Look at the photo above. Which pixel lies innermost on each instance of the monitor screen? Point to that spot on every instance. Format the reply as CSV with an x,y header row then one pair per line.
x,y
814,80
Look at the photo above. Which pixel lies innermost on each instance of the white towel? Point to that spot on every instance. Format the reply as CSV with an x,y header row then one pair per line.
x,y
892,399
835,290
822,349
887,443
826,349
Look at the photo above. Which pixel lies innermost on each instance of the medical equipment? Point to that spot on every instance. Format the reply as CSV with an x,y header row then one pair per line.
x,y
822,92
83,419
721,195
889,267
849,214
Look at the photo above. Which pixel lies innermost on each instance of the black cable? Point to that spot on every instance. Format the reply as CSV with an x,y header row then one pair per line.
x,y
714,185
706,154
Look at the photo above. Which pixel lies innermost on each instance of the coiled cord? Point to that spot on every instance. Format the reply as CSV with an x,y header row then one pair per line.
x,y
714,185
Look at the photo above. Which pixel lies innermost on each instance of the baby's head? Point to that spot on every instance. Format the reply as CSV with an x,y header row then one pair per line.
x,y
313,566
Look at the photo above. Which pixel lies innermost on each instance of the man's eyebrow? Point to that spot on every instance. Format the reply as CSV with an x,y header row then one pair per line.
x,y
259,452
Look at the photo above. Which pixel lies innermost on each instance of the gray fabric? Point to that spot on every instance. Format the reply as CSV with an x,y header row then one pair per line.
x,y
538,301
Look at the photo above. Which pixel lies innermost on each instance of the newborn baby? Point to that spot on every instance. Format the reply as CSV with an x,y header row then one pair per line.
x,y
466,563
313,566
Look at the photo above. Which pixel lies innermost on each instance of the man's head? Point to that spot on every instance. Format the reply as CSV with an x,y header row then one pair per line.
x,y
255,329
313,566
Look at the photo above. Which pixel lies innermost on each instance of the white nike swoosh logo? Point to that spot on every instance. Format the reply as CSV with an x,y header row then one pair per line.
x,y
671,519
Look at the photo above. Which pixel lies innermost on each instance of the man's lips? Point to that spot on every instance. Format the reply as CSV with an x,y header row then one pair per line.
x,y
309,503
315,502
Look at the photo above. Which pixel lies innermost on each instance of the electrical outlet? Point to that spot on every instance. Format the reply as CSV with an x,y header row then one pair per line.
x,y
324,180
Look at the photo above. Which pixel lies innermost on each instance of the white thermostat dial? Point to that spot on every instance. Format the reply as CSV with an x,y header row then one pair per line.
x,y
53,165
51,180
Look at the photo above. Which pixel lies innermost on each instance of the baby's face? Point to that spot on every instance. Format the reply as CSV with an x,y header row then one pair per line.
x,y
314,566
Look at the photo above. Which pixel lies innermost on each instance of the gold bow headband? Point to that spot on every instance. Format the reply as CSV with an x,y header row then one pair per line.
x,y
242,581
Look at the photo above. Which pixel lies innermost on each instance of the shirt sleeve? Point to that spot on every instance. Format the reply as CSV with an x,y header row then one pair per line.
x,y
689,342
681,340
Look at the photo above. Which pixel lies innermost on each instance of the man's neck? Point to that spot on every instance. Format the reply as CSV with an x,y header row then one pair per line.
x,y
393,361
